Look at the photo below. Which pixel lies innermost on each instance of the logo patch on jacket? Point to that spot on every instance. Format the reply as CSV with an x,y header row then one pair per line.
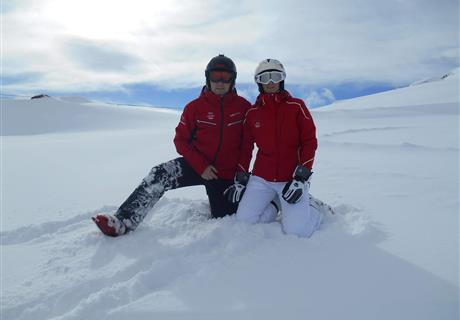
x,y
210,116
257,124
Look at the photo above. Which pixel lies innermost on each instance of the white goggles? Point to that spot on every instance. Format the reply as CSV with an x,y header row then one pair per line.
x,y
273,76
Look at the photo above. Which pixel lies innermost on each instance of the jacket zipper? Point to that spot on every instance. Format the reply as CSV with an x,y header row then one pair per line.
x,y
277,140
221,129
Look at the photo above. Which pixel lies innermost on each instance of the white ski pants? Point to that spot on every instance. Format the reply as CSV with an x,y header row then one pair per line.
x,y
296,218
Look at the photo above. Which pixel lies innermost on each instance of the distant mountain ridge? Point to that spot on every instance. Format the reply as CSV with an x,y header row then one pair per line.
x,y
436,90
451,73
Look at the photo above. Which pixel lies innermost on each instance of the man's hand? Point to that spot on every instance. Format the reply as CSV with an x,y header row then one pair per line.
x,y
209,173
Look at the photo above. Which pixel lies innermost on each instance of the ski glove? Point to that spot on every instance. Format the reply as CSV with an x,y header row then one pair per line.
x,y
294,189
235,192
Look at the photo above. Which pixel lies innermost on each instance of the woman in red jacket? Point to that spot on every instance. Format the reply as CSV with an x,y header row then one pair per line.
x,y
283,130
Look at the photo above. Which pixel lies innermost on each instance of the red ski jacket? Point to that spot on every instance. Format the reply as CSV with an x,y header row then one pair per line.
x,y
285,134
210,132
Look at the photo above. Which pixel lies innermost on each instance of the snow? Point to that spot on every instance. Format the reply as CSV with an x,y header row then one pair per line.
x,y
387,163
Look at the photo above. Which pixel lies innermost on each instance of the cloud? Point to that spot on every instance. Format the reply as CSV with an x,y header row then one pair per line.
x,y
84,44
315,98
15,78
99,57
248,91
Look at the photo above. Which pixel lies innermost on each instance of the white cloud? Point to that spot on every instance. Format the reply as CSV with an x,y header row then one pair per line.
x,y
250,93
102,44
315,98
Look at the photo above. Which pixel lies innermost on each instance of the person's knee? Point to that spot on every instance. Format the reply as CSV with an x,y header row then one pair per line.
x,y
270,213
299,226
164,175
297,230
247,216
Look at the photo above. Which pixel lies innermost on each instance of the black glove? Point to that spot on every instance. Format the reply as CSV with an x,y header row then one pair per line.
x,y
235,192
293,190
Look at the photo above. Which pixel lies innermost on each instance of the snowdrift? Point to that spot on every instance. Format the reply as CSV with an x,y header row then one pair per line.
x,y
387,163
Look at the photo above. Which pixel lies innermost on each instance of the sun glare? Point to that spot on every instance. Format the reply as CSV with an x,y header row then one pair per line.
x,y
105,19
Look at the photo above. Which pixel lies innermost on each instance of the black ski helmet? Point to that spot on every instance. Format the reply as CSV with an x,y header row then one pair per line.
x,y
220,63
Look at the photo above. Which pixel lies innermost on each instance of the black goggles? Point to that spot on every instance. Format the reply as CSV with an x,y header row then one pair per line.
x,y
220,76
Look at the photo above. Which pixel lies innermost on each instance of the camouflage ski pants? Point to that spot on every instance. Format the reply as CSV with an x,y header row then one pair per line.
x,y
171,175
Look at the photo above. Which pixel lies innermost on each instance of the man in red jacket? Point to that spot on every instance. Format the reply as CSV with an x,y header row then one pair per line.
x,y
208,137
285,134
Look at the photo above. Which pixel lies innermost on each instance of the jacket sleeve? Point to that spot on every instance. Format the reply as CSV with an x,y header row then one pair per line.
x,y
308,141
185,134
247,145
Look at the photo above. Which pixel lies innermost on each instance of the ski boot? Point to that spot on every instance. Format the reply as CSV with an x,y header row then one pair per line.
x,y
110,225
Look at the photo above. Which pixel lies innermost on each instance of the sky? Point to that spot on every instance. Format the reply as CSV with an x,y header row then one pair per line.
x,y
155,52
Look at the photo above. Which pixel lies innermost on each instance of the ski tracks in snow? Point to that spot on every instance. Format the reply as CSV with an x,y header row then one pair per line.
x,y
77,273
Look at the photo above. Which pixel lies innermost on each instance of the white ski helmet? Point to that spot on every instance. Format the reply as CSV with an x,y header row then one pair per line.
x,y
269,65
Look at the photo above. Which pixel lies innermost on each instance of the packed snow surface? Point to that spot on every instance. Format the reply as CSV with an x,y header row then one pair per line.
x,y
386,163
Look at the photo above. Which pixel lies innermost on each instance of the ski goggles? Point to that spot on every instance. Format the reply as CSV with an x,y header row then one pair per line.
x,y
220,76
273,76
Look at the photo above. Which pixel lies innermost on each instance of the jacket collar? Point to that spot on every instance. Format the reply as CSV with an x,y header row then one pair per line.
x,y
268,98
215,99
